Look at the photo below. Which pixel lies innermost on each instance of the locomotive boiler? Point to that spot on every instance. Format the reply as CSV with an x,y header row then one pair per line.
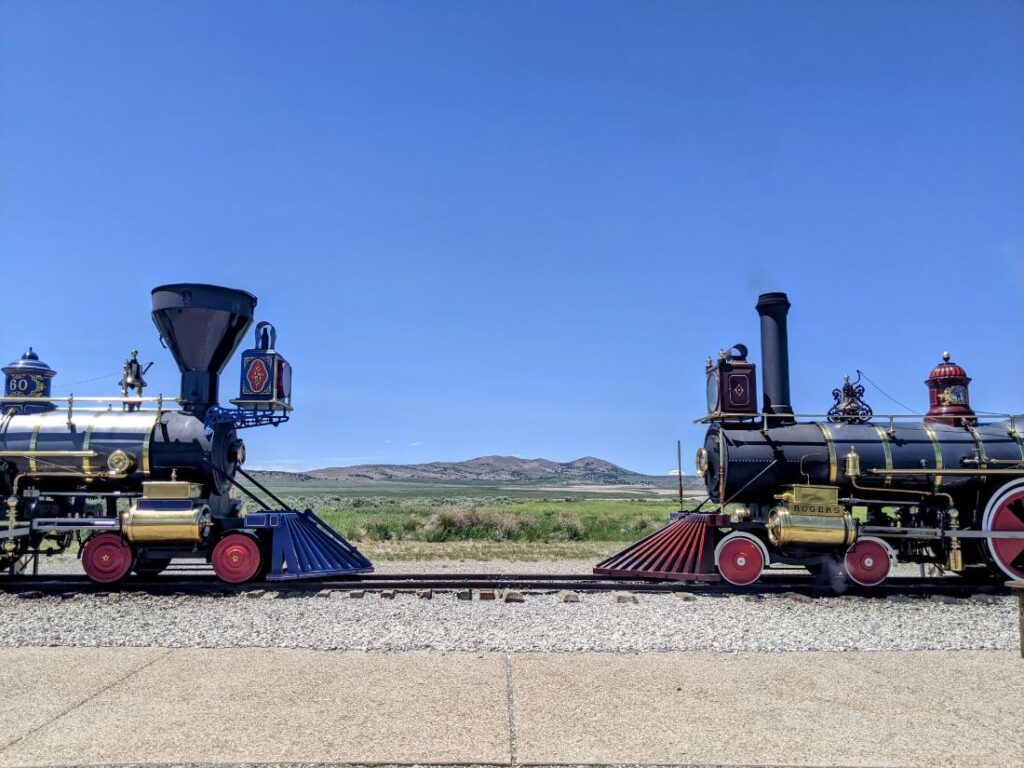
x,y
141,481
847,492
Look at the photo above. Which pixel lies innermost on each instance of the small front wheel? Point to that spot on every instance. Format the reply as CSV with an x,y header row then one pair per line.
x,y
236,558
741,558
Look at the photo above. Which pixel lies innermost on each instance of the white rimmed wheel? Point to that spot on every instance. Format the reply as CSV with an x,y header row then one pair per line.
x,y
1004,513
740,558
868,561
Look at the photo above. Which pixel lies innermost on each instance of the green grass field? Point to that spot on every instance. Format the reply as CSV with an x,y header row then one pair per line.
x,y
479,521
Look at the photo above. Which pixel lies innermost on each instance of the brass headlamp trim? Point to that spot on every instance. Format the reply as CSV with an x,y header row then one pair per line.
x,y
703,465
120,462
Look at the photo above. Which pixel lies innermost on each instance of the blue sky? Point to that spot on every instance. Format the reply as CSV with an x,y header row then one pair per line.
x,y
518,227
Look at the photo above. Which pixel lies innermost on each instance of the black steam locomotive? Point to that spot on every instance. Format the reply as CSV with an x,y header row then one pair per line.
x,y
141,481
853,488
847,494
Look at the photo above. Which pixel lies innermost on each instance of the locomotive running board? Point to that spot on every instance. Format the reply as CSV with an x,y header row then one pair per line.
x,y
684,550
303,546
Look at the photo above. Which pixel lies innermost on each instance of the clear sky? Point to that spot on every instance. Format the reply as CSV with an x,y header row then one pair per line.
x,y
518,227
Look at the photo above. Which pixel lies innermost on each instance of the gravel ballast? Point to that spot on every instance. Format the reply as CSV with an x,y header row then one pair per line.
x,y
542,622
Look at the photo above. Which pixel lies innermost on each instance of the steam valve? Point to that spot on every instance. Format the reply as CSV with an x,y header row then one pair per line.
x,y
852,465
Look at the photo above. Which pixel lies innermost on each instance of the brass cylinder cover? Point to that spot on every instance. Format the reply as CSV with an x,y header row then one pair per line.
x,y
784,528
143,523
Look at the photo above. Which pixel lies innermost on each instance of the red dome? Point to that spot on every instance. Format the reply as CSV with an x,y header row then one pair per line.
x,y
949,398
947,369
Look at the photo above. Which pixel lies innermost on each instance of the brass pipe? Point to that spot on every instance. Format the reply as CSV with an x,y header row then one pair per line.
x,y
921,494
721,467
10,546
906,491
955,558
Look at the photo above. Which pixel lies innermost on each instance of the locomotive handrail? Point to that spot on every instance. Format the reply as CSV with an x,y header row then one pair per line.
x,y
108,409
76,399
891,416
129,404
925,471
878,416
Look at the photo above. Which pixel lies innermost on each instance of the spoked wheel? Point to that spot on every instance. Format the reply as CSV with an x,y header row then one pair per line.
x,y
151,566
740,558
1005,514
107,558
868,561
236,558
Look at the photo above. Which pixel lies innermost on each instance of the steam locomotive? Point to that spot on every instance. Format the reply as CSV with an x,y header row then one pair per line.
x,y
141,481
846,494
851,489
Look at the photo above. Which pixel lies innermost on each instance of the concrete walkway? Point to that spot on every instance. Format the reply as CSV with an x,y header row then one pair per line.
x,y
89,706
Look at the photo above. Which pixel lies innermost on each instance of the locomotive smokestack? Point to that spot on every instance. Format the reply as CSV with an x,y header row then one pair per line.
x,y
202,326
773,308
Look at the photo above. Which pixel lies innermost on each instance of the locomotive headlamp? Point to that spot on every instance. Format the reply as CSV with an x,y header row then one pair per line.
x,y
731,384
119,462
702,462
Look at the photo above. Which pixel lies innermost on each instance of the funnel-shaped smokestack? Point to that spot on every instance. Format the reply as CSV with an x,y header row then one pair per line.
x,y
202,326
773,308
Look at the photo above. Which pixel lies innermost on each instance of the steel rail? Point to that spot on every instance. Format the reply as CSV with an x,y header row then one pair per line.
x,y
202,584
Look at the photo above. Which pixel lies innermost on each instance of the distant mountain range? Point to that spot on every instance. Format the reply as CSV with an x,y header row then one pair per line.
x,y
496,469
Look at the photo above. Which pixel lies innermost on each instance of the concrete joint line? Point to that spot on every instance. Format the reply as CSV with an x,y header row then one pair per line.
x,y
511,704
6,746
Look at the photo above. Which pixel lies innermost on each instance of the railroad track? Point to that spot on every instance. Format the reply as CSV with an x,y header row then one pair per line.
x,y
201,582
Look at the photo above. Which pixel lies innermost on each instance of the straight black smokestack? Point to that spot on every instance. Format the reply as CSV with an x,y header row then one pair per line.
x,y
773,308
202,326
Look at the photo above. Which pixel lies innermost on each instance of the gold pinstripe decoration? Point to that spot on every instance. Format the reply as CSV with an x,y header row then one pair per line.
x,y
883,436
833,463
33,444
147,440
86,439
938,453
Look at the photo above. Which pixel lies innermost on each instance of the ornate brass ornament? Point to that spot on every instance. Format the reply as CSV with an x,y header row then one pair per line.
x,y
849,406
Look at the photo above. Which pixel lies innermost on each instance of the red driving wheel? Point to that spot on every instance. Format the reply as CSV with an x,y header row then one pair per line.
x,y
740,559
1005,514
236,558
868,562
106,558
